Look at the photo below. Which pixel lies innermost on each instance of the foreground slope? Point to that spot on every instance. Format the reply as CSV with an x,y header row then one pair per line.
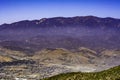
x,y
49,62
111,74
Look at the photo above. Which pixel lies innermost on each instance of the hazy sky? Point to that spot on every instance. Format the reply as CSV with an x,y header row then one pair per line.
x,y
16,10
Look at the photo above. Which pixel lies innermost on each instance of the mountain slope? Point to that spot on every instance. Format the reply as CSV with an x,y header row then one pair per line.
x,y
5,59
69,33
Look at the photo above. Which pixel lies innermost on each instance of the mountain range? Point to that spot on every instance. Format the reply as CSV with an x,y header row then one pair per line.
x,y
70,33
43,48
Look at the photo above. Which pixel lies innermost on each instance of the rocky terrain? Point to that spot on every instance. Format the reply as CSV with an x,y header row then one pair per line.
x,y
50,62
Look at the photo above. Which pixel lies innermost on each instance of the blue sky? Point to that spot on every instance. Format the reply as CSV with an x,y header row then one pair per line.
x,y
17,10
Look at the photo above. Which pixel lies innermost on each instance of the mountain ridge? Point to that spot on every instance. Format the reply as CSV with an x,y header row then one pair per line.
x,y
77,20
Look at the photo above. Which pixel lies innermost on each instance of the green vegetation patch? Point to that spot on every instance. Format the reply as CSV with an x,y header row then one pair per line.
x,y
111,74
